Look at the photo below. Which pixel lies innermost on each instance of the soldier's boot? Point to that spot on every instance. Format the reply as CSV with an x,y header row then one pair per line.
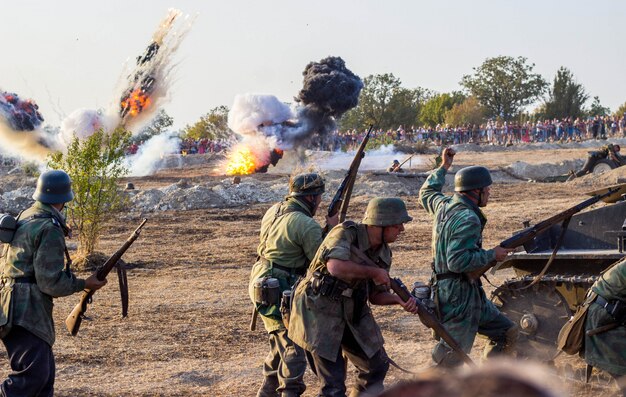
x,y
504,344
445,358
268,388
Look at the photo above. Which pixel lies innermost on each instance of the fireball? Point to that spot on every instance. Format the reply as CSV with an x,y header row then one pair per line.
x,y
241,162
135,102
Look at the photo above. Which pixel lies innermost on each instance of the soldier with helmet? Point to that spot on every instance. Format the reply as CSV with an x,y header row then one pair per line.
x,y
34,271
331,318
289,238
462,305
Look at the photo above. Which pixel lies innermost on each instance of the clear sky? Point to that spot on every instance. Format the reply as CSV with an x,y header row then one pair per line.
x,y
70,54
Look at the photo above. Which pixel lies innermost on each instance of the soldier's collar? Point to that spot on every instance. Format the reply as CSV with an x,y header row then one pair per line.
x,y
462,199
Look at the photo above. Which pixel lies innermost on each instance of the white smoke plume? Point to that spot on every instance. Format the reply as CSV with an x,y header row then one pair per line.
x,y
374,160
147,159
27,145
82,123
251,111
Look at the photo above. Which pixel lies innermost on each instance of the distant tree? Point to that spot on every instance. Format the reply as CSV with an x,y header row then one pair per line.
x,y
161,122
213,125
385,103
504,85
621,111
95,165
434,110
566,97
597,109
470,111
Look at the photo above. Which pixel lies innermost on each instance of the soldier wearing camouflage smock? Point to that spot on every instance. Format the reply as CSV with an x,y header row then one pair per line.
x,y
289,239
330,316
33,273
607,349
462,305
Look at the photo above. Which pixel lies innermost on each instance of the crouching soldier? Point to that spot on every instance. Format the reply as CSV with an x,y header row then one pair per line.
x,y
289,239
34,272
330,315
605,340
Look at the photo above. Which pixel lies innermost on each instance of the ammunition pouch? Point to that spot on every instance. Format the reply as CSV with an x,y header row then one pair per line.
x,y
616,308
332,287
266,291
285,306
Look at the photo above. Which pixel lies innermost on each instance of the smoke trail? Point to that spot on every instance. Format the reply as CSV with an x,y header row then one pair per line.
x,y
251,113
151,152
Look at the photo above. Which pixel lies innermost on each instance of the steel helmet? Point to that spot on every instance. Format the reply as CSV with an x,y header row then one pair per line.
x,y
54,187
308,184
470,178
386,211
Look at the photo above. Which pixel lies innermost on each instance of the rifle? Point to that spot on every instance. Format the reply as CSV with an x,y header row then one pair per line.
x,y
341,199
402,163
73,321
531,232
426,315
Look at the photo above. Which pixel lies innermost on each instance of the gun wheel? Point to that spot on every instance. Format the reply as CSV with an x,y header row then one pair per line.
x,y
540,311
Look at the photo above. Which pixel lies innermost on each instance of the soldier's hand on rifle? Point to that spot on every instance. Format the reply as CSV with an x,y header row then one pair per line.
x,y
410,305
381,277
447,156
501,252
92,283
332,221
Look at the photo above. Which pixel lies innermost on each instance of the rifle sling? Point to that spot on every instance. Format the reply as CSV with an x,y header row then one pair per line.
x,y
552,257
123,282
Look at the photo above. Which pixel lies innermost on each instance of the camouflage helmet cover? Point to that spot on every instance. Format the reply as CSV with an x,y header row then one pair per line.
x,y
54,187
386,211
307,184
470,178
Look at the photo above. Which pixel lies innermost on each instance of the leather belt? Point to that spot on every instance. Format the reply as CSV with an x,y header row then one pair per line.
x,y
300,271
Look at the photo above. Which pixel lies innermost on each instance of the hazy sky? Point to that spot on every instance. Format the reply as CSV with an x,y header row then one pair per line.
x,y
70,54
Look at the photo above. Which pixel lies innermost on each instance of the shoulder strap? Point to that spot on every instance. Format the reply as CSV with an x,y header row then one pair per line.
x,y
55,222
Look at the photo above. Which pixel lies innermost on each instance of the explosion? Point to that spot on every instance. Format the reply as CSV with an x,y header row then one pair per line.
x,y
135,102
21,115
242,162
270,126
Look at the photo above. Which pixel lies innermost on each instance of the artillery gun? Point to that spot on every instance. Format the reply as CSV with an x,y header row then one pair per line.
x,y
593,241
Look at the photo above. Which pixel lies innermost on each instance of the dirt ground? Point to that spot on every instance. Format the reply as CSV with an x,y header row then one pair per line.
x,y
187,328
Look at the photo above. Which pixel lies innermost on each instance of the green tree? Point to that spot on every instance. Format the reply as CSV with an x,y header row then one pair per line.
x,y
566,97
385,103
621,111
434,110
470,111
95,165
213,125
161,122
597,109
504,85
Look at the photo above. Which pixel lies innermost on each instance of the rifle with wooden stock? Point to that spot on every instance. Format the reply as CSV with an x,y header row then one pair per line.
x,y
531,232
426,315
73,321
341,199
397,167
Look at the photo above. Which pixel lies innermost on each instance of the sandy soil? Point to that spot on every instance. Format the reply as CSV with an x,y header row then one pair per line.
x,y
187,329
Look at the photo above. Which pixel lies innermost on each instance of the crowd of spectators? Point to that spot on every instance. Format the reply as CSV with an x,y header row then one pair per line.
x,y
492,132
189,146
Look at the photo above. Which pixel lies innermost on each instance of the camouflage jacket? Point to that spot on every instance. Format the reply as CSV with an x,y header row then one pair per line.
x,y
289,238
37,250
607,350
457,231
317,322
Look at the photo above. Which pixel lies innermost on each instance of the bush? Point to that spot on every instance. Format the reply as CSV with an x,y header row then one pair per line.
x,y
95,165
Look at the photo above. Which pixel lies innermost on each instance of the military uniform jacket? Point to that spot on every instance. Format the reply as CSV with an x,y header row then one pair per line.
x,y
289,238
457,231
318,322
37,250
607,350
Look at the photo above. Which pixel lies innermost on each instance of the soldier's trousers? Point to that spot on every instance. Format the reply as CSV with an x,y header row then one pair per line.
x,y
284,367
371,372
464,317
32,364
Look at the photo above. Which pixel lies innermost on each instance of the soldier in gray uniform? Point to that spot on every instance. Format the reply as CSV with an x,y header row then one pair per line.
x,y
289,239
607,348
331,318
33,273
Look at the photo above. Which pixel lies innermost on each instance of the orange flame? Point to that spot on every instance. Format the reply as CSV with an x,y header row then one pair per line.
x,y
136,102
242,162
